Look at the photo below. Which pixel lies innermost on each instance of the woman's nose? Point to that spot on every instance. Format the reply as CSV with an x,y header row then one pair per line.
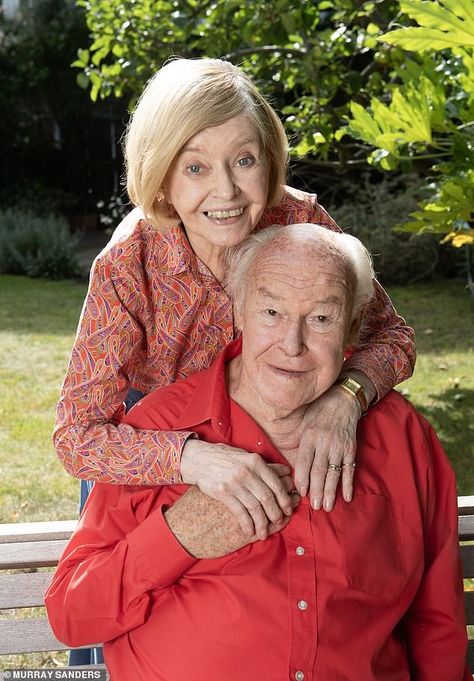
x,y
225,186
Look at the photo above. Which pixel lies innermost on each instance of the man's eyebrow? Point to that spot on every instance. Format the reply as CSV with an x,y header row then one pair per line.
x,y
337,300
264,292
238,143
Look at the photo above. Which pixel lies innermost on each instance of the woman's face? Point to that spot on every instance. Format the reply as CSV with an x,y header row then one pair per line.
x,y
218,185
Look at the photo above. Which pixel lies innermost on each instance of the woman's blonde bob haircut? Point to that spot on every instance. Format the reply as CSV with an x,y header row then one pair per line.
x,y
180,100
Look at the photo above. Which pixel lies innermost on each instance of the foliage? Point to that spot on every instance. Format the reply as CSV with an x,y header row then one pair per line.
x,y
430,115
54,145
370,211
311,58
37,246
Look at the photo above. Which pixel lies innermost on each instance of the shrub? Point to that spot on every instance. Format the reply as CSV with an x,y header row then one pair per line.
x,y
37,246
371,210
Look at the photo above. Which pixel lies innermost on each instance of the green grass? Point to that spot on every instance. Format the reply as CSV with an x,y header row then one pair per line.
x,y
37,325
442,387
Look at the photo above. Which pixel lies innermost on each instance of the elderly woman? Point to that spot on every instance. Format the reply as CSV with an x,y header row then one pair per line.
x,y
165,576
206,159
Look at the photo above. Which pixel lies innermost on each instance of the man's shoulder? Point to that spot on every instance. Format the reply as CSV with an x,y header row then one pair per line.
x,y
163,408
397,410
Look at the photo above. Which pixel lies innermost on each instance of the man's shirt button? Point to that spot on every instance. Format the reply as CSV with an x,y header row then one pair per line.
x,y
299,676
299,551
302,605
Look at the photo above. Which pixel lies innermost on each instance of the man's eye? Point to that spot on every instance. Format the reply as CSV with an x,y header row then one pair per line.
x,y
270,312
321,318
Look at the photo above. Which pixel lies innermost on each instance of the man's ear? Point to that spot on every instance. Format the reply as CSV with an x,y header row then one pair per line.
x,y
354,330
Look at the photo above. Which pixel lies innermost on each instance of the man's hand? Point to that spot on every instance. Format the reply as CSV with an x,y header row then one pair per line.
x,y
207,529
328,437
252,490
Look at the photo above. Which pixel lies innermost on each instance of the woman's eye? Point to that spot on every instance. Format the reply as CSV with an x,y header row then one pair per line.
x,y
246,161
194,169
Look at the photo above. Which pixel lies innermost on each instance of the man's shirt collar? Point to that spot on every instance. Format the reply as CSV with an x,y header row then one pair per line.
x,y
210,400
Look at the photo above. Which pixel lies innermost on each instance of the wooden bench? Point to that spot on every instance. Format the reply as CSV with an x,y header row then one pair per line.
x,y
27,548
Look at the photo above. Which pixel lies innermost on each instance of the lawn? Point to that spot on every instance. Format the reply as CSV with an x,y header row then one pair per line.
x,y
37,326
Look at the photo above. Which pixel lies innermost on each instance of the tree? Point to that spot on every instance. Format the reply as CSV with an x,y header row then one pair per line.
x,y
430,116
310,58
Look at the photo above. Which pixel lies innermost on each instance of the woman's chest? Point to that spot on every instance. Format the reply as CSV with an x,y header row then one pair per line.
x,y
186,326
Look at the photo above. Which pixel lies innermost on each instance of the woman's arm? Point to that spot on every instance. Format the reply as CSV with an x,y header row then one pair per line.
x,y
109,343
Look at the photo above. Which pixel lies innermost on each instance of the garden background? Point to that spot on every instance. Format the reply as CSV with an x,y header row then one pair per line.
x,y
377,99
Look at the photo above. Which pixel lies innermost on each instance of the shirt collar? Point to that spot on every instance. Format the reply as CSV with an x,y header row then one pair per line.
x,y
210,400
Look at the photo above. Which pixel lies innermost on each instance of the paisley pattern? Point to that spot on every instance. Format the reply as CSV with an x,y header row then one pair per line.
x,y
155,314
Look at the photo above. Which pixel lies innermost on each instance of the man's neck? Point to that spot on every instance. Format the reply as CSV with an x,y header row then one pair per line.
x,y
282,428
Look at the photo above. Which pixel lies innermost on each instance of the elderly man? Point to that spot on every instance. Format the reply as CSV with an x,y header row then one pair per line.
x,y
165,576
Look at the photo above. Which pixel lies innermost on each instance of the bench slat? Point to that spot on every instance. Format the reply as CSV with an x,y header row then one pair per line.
x,y
467,560
466,505
39,531
466,527
23,590
28,555
469,606
27,636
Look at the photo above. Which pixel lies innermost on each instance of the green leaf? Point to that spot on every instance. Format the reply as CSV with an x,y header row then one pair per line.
x,y
448,26
82,80
423,39
433,15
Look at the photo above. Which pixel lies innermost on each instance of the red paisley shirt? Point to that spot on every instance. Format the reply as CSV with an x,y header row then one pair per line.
x,y
155,314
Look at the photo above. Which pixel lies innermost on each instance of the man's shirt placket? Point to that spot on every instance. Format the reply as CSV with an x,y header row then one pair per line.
x,y
301,594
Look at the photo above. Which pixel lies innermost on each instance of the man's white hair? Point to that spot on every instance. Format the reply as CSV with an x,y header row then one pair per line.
x,y
347,247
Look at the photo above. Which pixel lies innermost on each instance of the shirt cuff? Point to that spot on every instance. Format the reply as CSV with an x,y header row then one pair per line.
x,y
160,558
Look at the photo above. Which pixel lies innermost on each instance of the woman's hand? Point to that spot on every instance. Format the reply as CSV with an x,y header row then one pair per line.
x,y
328,437
255,492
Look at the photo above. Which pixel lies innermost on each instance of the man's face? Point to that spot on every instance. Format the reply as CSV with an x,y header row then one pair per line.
x,y
295,325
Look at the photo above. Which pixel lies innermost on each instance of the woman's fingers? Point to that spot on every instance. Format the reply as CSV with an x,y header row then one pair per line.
x,y
327,449
232,475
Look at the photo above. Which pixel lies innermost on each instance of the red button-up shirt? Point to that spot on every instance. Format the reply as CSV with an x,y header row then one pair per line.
x,y
369,592
155,314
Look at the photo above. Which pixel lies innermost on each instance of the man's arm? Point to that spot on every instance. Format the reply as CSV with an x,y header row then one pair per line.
x,y
123,549
206,529
434,626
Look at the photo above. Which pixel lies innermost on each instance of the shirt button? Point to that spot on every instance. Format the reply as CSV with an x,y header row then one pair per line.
x,y
219,423
299,676
299,551
302,605
259,443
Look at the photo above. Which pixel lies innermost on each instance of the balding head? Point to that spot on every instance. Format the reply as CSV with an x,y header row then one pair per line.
x,y
294,242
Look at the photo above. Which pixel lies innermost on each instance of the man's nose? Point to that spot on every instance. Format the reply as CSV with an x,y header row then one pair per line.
x,y
225,185
293,342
